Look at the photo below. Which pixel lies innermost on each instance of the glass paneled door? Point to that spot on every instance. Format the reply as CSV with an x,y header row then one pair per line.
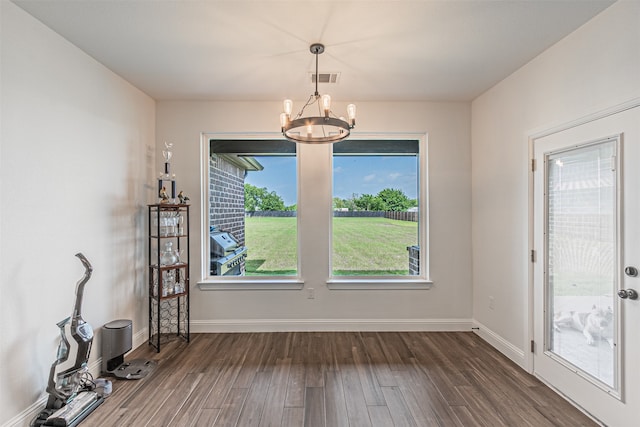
x,y
581,254
586,205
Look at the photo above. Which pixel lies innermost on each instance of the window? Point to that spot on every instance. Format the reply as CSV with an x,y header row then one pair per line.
x,y
252,208
375,227
295,213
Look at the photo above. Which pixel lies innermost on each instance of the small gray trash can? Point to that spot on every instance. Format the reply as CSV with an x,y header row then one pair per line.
x,y
116,341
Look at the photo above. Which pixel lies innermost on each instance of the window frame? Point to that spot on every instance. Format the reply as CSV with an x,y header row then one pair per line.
x,y
207,282
421,281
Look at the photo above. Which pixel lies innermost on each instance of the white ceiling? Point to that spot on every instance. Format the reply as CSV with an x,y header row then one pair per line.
x,y
259,50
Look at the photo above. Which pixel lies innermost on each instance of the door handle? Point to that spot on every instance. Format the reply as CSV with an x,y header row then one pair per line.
x,y
628,293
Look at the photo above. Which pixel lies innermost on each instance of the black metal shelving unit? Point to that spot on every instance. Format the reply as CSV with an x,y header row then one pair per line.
x,y
168,273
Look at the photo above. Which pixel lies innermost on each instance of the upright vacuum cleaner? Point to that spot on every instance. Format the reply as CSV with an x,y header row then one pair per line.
x,y
71,395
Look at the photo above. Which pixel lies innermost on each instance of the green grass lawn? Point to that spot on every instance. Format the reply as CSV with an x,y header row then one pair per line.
x,y
272,246
362,246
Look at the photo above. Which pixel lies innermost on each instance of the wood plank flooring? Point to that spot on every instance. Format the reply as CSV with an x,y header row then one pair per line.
x,y
333,379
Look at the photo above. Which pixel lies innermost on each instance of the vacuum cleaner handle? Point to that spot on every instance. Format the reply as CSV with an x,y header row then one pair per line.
x,y
88,269
86,263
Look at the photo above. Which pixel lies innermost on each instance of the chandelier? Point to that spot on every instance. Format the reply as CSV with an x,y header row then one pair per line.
x,y
322,129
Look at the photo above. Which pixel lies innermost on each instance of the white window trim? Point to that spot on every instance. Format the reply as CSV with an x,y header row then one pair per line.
x,y
258,284
241,283
406,282
209,283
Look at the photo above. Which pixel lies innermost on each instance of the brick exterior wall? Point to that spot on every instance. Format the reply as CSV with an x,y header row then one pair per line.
x,y
414,260
226,197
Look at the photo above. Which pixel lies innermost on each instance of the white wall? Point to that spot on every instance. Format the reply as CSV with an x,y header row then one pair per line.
x,y
448,126
77,152
596,67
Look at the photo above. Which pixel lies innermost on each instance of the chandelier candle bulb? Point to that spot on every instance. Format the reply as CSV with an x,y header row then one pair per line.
x,y
351,111
288,107
326,104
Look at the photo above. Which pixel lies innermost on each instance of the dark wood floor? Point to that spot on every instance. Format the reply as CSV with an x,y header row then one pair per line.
x,y
333,379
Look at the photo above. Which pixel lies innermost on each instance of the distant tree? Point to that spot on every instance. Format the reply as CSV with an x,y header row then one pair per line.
x,y
368,202
272,202
339,203
389,199
260,199
394,200
252,197
351,203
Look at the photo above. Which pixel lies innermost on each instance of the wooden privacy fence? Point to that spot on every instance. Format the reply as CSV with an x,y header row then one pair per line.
x,y
400,216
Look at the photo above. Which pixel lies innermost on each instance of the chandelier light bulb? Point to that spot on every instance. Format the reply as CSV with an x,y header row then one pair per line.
x,y
288,107
351,111
326,104
309,131
283,119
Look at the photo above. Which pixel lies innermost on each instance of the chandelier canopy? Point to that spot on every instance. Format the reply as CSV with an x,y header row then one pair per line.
x,y
325,128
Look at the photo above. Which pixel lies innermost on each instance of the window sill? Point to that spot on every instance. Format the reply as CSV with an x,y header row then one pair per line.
x,y
378,284
243,284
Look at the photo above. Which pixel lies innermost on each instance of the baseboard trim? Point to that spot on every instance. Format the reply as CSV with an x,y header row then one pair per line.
x,y
24,418
503,346
329,325
140,337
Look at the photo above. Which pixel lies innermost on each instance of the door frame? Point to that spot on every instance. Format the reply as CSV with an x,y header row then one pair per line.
x,y
533,136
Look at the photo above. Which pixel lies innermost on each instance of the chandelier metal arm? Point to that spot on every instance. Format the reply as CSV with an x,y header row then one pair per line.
x,y
310,101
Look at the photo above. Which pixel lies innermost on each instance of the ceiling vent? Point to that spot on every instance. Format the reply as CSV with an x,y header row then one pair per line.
x,y
324,77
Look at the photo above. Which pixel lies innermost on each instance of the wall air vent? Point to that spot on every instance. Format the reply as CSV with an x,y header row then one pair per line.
x,y
324,77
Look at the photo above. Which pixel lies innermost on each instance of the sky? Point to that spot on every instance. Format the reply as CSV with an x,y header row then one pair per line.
x,y
351,175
